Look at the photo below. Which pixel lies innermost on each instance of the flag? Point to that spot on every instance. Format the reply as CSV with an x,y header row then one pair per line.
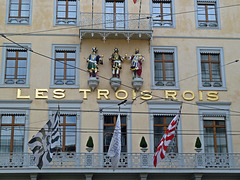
x,y
135,1
43,143
166,139
115,145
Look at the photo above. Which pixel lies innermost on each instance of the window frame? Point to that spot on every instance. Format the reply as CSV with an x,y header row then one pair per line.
x,y
164,108
73,47
164,49
4,63
110,107
68,107
113,125
217,110
17,107
160,134
125,16
8,15
213,50
65,24
13,125
214,127
216,2
172,13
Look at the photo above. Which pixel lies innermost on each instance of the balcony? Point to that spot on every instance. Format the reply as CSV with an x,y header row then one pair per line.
x,y
115,26
92,162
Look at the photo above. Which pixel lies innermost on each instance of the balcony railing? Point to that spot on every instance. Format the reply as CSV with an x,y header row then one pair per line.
x,y
120,21
129,161
115,26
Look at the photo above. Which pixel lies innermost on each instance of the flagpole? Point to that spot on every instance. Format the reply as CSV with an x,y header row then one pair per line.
x,y
60,138
140,7
92,12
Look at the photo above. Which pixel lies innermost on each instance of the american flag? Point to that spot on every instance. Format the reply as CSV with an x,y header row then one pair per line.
x,y
166,140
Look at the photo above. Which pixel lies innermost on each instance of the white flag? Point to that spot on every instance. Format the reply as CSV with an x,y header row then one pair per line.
x,y
43,143
115,145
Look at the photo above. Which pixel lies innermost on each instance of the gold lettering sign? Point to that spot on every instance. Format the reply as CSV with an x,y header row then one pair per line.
x,y
103,92
121,92
172,94
19,95
39,94
146,95
85,91
212,96
192,95
59,94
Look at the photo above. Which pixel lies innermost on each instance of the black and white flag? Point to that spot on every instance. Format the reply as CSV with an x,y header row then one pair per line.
x,y
43,143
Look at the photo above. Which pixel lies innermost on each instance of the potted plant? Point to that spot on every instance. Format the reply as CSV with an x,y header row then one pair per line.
x,y
143,144
89,144
198,145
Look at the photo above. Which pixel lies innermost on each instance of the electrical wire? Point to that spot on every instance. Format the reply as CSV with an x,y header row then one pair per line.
x,y
115,21
53,59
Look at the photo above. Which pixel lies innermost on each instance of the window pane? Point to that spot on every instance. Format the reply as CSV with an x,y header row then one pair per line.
x,y
72,14
21,71
71,119
25,7
14,7
24,13
158,119
26,1
214,57
11,53
61,14
14,13
10,71
59,54
59,64
22,63
59,72
11,63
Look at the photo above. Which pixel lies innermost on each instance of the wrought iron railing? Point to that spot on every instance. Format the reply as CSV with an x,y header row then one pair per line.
x,y
127,160
111,21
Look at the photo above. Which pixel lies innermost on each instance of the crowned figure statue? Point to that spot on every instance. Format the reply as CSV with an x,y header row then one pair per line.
x,y
116,61
136,64
93,61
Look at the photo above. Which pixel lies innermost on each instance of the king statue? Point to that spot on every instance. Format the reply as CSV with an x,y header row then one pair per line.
x,y
93,60
136,64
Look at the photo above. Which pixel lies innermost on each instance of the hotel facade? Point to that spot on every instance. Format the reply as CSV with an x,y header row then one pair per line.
x,y
189,51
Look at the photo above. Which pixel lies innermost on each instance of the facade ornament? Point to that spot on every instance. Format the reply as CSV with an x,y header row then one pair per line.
x,y
93,61
136,66
116,61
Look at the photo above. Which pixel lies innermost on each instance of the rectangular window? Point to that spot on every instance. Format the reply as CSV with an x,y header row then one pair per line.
x,y
109,126
207,14
160,126
19,11
162,13
211,69
115,14
16,66
64,68
215,137
68,133
210,66
12,133
66,12
164,69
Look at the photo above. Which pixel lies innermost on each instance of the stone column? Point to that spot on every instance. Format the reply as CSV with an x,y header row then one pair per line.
x,y
33,176
143,176
197,177
88,176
